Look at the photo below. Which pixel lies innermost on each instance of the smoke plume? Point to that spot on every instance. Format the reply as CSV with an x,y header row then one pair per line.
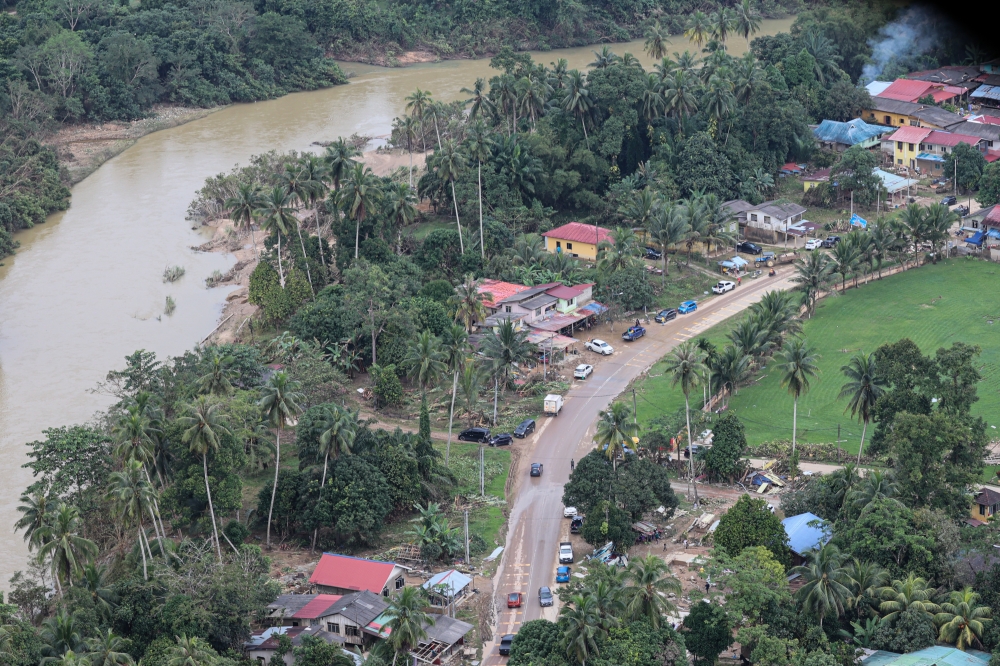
x,y
904,40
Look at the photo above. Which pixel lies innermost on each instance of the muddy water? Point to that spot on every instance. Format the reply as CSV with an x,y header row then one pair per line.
x,y
86,288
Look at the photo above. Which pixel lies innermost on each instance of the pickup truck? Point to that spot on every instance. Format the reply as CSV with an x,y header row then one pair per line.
x,y
565,553
599,346
633,333
553,404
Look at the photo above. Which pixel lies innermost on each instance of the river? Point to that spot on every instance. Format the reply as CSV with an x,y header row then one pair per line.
x,y
85,289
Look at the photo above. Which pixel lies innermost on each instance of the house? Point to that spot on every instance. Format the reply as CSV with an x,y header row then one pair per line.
x,y
819,177
771,220
987,131
936,655
840,136
938,145
263,644
960,76
575,239
804,534
352,616
906,144
875,87
441,641
570,298
294,610
343,574
498,290
986,95
909,90
937,118
986,504
446,588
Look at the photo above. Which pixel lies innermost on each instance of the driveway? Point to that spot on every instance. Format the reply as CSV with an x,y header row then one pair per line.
x,y
536,523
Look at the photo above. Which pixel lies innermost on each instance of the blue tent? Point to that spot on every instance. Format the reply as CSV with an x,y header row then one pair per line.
x,y
803,537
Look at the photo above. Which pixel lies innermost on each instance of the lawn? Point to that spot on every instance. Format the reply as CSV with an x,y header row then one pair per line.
x,y
935,306
485,521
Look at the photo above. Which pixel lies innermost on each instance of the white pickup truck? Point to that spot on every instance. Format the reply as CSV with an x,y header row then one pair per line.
x,y
565,553
553,404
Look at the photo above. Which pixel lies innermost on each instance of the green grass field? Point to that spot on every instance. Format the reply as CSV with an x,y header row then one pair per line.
x,y
955,301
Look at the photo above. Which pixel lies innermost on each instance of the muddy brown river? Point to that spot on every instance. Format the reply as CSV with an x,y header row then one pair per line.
x,y
85,289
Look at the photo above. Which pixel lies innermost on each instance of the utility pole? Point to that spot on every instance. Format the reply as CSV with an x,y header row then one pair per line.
x,y
482,475
956,176
467,563
838,443
635,410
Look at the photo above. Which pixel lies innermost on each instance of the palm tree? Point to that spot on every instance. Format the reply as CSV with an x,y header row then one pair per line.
x,y
108,649
470,381
191,652
748,78
729,369
656,41
812,276
424,360
686,366
718,99
914,220
939,219
34,509
652,99
506,94
640,208
823,51
243,207
417,103
298,188
407,129
580,621
407,621
61,544
651,585
615,430
203,427
846,256
134,434
877,484
865,578
339,158
455,345
667,228
468,302
505,346
339,428
131,495
93,578
577,101
618,251
280,400
479,145
361,194
723,22
402,206
827,584
450,161
699,28
864,387
747,20
678,94
902,595
962,619
480,100
278,217
796,363
437,111
60,635
314,174
221,375
604,58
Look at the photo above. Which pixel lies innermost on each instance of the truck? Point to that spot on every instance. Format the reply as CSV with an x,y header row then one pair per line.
x,y
565,552
633,333
553,404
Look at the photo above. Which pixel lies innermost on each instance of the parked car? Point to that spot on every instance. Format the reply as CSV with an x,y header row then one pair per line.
x,y
524,428
514,600
746,247
583,371
687,306
950,201
536,469
663,316
544,596
653,253
562,574
569,512
633,333
565,553
723,286
503,439
474,435
830,241
505,644
576,525
599,346
814,244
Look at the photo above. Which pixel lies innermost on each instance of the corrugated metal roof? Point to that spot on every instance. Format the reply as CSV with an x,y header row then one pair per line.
x,y
803,537
986,92
931,157
893,183
849,133
906,90
579,233
910,134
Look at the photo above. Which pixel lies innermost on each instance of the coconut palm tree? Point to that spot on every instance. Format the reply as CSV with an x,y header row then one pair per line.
x,y
455,347
406,128
747,20
478,146
437,112
699,28
220,376
718,99
827,584
667,228
580,621
686,367
243,207
877,484
652,99
280,403
796,363
362,192
424,360
34,509
651,583
480,101
812,276
615,430
203,426
823,51
909,593
314,174
60,635
134,436
470,381
108,649
748,77
729,369
864,387
338,430
417,104
962,619
604,58
469,302
401,203
190,652
619,251
276,216
60,543
656,41
640,208
723,22
406,621
865,578
339,158
678,94
131,497
577,101
506,93
450,162
505,346
94,579
913,219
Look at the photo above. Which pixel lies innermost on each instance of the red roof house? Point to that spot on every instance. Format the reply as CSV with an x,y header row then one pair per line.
x,y
342,574
909,90
909,134
992,218
580,233
950,139
499,290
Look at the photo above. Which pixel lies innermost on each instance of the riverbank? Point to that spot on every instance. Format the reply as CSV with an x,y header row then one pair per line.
x,y
85,147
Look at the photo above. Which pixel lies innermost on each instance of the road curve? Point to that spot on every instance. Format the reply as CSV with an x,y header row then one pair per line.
x,y
536,524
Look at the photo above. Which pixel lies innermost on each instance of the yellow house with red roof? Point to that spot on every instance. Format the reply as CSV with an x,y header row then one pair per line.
x,y
576,240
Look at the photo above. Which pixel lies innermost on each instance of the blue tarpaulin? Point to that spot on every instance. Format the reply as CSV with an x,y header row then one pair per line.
x,y
857,221
976,239
849,133
803,537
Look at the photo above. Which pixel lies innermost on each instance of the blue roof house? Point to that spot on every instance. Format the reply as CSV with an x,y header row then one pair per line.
x,y
841,136
803,536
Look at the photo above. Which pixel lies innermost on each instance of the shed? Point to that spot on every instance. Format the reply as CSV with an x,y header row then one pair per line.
x,y
803,537
447,586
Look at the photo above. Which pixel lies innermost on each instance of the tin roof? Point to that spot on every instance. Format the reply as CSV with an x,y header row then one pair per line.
x,y
579,233
803,537
951,139
500,290
908,90
938,116
936,655
453,581
352,573
910,134
894,105
986,92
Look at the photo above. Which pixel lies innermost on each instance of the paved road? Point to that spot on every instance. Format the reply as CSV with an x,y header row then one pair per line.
x,y
536,524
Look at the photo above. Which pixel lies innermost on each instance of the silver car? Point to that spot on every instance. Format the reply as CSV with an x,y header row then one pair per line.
x,y
583,371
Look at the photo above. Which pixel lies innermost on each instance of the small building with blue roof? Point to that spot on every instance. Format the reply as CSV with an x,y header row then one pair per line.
x,y
840,136
806,532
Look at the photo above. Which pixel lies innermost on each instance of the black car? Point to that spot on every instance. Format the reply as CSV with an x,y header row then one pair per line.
x,y
505,643
536,469
949,201
524,428
830,241
576,525
663,316
475,435
653,253
503,439
746,247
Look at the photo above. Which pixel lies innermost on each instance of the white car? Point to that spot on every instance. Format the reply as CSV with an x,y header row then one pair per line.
x,y
599,346
814,244
569,512
724,286
583,371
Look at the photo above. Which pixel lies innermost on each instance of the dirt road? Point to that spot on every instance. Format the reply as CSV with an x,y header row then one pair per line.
x,y
536,523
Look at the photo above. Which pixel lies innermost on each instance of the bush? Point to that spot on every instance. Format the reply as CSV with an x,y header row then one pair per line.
x,y
237,532
387,387
265,290
912,630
